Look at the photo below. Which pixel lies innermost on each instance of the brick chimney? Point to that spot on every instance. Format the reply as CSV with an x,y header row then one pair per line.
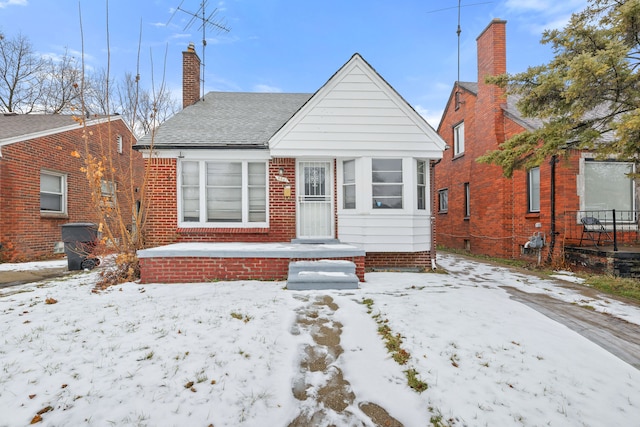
x,y
492,61
190,76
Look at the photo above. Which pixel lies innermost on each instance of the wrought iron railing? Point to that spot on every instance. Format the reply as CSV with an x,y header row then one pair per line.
x,y
599,228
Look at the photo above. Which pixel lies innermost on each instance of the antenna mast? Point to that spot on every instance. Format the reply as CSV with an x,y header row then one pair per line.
x,y
209,21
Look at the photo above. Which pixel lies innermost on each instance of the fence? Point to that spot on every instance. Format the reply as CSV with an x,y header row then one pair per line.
x,y
599,228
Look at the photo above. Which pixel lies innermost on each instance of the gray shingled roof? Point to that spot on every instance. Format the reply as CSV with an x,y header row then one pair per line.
x,y
228,119
13,126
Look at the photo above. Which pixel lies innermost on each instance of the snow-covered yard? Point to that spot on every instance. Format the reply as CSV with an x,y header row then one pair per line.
x,y
225,354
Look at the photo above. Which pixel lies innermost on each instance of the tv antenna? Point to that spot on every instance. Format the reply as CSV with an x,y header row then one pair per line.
x,y
206,22
458,32
459,29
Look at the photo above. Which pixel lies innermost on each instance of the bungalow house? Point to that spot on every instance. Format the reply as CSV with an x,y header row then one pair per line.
x,y
480,211
243,183
41,184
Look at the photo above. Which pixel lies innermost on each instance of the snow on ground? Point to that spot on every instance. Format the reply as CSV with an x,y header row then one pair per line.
x,y
224,353
31,266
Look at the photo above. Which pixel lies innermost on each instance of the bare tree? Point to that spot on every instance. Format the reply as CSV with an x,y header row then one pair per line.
x,y
21,73
60,84
142,109
98,93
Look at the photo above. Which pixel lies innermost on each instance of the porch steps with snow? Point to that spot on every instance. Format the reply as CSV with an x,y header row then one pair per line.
x,y
322,274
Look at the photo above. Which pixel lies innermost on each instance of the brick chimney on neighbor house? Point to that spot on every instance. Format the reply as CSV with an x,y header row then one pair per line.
x,y
492,61
190,76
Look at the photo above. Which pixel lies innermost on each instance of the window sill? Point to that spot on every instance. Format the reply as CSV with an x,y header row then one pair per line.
x,y
53,215
532,215
216,230
458,156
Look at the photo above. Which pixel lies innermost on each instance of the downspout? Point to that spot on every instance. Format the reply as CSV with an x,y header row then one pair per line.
x,y
552,243
432,252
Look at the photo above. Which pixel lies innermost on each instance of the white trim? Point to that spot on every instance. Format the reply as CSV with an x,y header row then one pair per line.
x,y
203,200
64,188
48,132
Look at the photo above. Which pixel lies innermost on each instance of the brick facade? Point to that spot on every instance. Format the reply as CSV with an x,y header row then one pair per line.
x,y
190,76
499,223
201,269
162,218
25,232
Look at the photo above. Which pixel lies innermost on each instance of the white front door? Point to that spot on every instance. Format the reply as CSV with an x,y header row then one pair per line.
x,y
315,200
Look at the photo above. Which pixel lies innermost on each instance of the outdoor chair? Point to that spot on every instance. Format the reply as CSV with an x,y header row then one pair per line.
x,y
594,230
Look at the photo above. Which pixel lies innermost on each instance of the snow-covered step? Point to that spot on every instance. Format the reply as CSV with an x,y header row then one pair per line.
x,y
322,274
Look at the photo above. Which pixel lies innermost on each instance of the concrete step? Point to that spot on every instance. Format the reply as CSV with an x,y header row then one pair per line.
x,y
322,274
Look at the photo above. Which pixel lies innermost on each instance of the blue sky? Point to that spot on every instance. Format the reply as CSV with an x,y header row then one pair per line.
x,y
292,45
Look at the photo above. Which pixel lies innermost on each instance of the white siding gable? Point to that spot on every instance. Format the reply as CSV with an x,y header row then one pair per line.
x,y
356,112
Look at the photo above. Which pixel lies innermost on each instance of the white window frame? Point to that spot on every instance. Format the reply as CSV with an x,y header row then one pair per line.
x,y
533,192
421,185
62,195
458,139
349,184
582,184
119,143
202,176
377,203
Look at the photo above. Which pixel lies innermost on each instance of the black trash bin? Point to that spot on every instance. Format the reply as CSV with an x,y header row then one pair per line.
x,y
80,239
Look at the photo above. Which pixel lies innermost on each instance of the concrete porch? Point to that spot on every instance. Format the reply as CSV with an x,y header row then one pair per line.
x,y
625,262
204,262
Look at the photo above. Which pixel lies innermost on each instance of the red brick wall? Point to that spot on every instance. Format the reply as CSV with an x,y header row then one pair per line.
x,y
162,216
196,269
25,233
499,223
190,76
161,220
398,259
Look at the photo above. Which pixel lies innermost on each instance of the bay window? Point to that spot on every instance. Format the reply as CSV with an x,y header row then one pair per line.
x,y
387,183
422,184
349,184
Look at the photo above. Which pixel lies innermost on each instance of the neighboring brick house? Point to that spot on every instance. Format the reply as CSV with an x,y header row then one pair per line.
x,y
348,162
41,184
481,211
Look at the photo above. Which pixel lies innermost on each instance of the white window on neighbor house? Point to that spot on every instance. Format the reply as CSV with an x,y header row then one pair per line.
x,y
386,176
421,181
119,142
443,200
607,186
533,189
349,184
218,193
108,193
458,139
53,192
